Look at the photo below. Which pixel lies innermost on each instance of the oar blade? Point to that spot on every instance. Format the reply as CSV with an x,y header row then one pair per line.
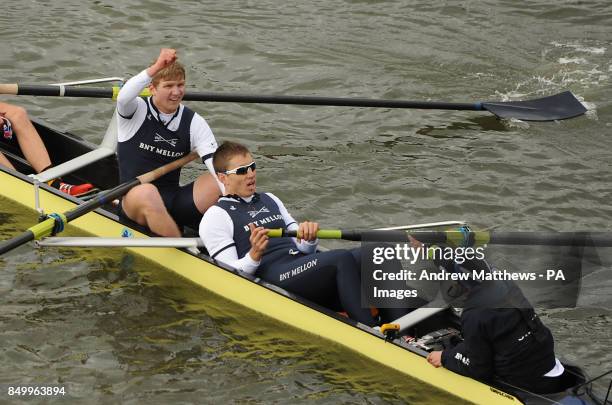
x,y
557,107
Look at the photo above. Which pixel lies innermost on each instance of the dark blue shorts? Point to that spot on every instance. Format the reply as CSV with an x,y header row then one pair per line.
x,y
180,205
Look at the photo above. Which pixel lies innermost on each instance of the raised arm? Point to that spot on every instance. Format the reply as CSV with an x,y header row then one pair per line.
x,y
127,99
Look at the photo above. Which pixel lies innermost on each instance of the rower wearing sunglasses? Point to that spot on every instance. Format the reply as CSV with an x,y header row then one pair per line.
x,y
234,231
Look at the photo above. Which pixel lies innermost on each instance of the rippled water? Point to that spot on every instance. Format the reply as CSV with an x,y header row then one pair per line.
x,y
116,327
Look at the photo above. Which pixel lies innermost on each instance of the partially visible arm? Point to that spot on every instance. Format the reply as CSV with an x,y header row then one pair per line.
x,y
203,141
474,356
230,256
209,164
127,99
217,232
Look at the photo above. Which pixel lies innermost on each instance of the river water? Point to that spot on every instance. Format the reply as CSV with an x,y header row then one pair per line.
x,y
112,327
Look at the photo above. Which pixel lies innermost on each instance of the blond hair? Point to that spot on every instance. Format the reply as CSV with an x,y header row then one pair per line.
x,y
174,71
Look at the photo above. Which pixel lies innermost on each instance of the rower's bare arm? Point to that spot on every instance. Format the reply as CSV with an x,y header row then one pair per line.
x,y
259,242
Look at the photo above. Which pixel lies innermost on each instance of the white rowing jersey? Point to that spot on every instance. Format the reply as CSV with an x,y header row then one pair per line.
x,y
132,111
227,240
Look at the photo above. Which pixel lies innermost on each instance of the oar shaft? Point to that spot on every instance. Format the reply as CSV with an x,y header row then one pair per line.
x,y
458,238
597,239
155,242
329,101
94,92
17,241
39,230
45,227
101,199
324,234
556,107
122,189
55,91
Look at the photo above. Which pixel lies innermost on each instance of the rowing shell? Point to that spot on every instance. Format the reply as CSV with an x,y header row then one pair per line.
x,y
230,284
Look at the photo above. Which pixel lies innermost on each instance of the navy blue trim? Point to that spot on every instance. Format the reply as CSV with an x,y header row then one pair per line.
x,y
154,107
222,249
129,117
206,157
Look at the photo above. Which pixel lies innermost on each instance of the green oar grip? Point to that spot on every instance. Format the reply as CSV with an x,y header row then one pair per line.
x,y
45,227
41,229
329,234
321,234
454,238
275,233
473,238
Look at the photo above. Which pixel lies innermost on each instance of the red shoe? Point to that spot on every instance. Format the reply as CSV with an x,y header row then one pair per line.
x,y
74,189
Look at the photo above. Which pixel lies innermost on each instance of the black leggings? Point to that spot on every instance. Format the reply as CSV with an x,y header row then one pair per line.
x,y
541,385
326,278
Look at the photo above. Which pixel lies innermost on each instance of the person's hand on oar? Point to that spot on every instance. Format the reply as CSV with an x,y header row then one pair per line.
x,y
259,242
308,231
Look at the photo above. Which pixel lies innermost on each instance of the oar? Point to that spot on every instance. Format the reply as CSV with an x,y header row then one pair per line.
x,y
95,241
47,226
459,238
556,107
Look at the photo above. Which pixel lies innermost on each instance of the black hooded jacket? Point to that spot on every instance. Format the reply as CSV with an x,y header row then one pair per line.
x,y
503,338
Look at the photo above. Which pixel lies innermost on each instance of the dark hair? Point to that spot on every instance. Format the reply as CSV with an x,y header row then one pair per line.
x,y
225,152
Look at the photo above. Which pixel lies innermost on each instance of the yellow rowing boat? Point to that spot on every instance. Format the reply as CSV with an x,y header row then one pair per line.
x,y
398,355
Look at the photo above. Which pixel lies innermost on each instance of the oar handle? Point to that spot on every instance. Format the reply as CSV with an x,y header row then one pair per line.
x,y
122,189
321,234
9,88
160,171
53,90
461,238
370,235
100,92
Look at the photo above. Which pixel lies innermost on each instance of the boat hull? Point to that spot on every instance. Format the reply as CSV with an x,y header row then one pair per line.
x,y
228,283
